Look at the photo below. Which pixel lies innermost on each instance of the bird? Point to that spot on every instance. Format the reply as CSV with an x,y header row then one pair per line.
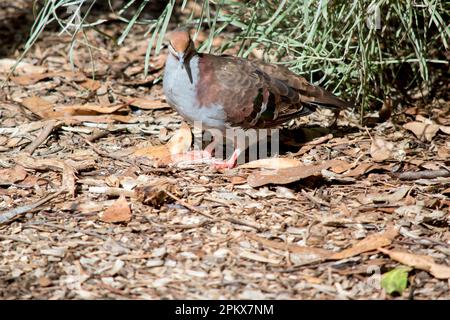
x,y
224,91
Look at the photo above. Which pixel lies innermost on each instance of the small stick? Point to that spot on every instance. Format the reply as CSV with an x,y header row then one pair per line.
x,y
214,219
187,205
46,131
106,154
9,215
425,174
318,140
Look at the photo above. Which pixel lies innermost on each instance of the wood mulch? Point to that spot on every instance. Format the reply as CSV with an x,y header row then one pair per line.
x,y
82,217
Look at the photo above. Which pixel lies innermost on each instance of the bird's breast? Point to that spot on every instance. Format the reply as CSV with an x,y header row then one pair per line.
x,y
182,95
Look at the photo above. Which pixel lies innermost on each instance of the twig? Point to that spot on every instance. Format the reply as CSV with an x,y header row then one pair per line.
x,y
228,218
48,128
106,154
425,174
9,215
187,205
243,223
305,147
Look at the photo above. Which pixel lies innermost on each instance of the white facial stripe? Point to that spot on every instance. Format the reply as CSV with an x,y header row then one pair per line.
x,y
172,51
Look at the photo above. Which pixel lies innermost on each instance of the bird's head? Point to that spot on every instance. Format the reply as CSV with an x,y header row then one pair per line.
x,y
182,48
181,45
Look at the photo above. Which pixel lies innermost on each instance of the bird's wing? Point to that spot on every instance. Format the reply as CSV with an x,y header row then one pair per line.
x,y
249,96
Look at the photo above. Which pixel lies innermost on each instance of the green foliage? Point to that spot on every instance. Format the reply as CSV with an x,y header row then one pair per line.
x,y
396,280
364,50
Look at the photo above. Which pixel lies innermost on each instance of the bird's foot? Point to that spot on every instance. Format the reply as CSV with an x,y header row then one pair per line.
x,y
227,164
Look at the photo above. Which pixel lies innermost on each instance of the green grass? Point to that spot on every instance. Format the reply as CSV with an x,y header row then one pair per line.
x,y
329,42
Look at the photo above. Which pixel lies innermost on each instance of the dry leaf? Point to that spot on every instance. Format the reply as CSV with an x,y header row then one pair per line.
x,y
12,175
419,262
341,166
287,175
22,67
380,149
91,85
145,104
294,248
423,131
33,78
394,197
179,143
370,243
361,169
237,180
75,113
272,163
118,212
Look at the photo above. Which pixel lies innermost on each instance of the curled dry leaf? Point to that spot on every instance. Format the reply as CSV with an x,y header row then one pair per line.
x,y
272,163
77,113
145,104
119,211
288,175
166,154
419,262
393,197
32,78
381,149
362,169
12,175
423,131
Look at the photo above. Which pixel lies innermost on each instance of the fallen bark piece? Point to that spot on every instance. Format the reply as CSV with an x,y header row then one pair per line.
x,y
288,175
9,176
421,262
119,211
425,174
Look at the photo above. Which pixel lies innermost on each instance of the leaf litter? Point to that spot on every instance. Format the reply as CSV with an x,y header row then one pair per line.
x,y
100,206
